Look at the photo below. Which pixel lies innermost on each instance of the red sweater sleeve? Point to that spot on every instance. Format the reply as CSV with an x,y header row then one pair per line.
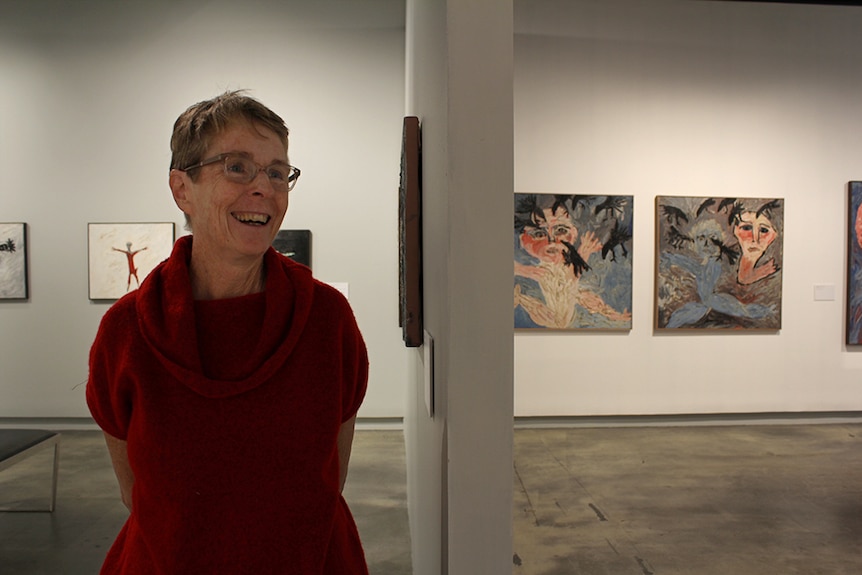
x,y
356,374
109,401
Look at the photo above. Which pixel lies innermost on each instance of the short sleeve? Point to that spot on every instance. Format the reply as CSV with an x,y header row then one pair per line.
x,y
355,362
108,400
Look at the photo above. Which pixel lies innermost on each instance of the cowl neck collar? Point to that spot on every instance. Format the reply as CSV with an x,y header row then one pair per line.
x,y
165,311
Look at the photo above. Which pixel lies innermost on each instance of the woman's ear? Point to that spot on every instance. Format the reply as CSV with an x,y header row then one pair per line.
x,y
179,182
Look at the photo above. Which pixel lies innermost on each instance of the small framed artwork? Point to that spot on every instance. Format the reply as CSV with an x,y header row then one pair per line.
x,y
294,244
718,263
853,329
122,255
410,235
13,262
573,261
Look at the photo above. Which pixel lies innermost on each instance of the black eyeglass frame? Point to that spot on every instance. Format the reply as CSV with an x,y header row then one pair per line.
x,y
292,176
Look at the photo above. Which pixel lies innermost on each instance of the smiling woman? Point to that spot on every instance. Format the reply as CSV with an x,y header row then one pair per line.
x,y
228,384
235,212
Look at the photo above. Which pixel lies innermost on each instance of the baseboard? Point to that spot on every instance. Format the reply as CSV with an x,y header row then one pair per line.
x,y
87,423
397,423
379,423
692,420
49,423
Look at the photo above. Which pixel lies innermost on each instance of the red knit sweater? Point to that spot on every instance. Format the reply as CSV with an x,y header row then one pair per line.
x,y
230,411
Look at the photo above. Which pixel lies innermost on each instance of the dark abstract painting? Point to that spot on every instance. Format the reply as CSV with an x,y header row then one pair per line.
x,y
295,244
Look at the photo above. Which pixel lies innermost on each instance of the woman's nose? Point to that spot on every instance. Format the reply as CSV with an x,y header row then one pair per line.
x,y
260,184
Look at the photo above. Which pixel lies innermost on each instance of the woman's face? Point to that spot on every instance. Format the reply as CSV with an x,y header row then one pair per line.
x,y
229,218
544,241
755,234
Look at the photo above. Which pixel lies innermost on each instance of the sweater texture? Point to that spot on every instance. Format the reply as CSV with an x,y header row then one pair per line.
x,y
231,410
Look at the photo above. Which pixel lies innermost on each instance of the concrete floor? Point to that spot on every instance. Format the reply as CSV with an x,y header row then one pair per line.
x,y
75,538
756,500
740,500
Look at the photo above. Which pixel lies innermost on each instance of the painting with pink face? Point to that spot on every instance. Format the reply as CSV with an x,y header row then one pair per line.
x,y
854,265
718,262
573,261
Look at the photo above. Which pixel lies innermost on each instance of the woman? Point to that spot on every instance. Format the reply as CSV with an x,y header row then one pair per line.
x,y
227,385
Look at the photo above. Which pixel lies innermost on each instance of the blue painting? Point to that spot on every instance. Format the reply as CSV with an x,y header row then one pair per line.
x,y
854,265
573,261
719,262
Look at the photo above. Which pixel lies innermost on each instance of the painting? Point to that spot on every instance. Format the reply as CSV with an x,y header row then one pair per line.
x,y
410,235
294,244
718,263
853,329
573,261
121,255
13,262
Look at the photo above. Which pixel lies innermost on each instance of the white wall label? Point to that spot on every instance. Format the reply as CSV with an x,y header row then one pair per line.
x,y
824,292
428,360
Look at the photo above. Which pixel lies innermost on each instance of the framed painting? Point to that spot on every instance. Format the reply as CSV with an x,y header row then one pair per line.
x,y
410,235
718,263
13,262
573,261
294,244
853,328
122,255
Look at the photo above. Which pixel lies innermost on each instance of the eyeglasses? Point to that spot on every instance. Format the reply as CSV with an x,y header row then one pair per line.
x,y
242,170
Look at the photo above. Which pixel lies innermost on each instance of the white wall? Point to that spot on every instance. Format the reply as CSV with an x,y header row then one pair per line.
x,y
703,99
459,465
424,437
90,93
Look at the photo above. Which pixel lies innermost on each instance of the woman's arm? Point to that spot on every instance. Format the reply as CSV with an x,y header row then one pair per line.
x,y
120,461
345,444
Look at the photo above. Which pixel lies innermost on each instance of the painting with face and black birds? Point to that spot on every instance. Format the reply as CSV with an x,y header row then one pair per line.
x,y
718,263
573,261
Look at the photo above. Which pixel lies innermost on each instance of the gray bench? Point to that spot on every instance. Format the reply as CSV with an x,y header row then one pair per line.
x,y
19,444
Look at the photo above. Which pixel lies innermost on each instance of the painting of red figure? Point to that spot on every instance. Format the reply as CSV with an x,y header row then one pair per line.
x,y
854,265
573,261
121,255
718,262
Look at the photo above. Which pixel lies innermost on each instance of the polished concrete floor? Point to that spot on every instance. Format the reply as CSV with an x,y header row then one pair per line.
x,y
755,500
734,500
74,539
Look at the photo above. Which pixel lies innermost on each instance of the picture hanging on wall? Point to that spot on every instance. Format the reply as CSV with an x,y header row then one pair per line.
x,y
718,263
410,235
295,244
13,262
573,261
854,264
121,255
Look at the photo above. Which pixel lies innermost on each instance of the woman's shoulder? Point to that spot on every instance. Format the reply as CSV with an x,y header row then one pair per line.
x,y
120,314
331,296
